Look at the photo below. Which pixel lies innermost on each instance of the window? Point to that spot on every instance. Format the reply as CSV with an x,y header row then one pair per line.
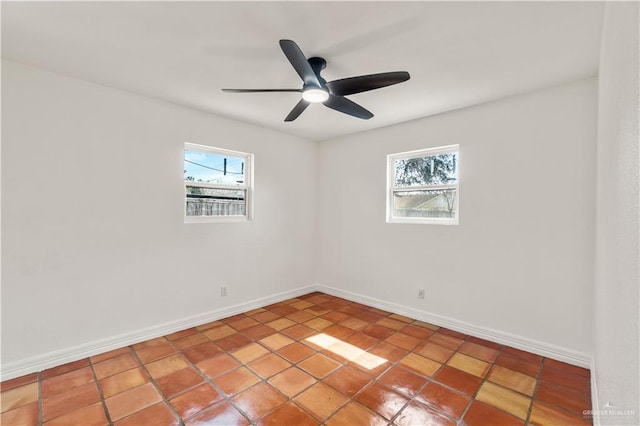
x,y
218,184
423,186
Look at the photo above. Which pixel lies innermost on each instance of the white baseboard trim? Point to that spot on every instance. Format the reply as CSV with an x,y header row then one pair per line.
x,y
52,359
530,345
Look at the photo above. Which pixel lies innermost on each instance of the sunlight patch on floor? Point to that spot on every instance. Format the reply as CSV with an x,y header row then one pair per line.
x,y
347,351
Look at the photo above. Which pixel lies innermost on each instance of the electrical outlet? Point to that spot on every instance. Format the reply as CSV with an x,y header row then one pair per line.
x,y
223,291
421,293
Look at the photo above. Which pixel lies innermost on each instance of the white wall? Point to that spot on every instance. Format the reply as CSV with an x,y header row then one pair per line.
x,y
520,262
617,306
92,215
95,245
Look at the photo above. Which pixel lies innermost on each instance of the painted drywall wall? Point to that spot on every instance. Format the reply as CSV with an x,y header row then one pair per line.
x,y
617,308
521,260
94,243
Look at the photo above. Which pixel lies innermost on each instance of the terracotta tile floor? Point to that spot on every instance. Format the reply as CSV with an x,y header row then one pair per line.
x,y
316,359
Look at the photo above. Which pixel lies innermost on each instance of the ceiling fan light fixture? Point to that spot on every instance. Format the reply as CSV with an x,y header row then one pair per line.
x,y
315,95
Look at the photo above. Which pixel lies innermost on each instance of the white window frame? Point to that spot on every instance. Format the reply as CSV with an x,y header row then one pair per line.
x,y
391,188
247,186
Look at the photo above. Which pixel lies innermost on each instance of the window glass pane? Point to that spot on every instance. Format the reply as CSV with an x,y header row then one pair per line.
x,y
437,203
215,202
200,166
432,170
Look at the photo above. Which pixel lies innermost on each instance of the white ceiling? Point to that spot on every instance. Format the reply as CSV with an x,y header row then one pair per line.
x,y
458,53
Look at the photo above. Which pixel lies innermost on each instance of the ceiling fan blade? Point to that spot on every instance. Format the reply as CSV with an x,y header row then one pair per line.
x,y
347,106
299,62
363,83
297,110
260,90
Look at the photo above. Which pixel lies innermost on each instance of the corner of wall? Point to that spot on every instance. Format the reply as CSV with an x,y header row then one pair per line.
x,y
616,364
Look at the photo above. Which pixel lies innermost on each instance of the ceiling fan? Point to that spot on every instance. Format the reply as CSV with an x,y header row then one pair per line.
x,y
332,94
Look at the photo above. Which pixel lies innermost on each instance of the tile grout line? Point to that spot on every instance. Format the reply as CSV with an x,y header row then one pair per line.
x,y
424,385
486,379
315,352
296,365
103,401
512,390
152,380
199,372
262,380
459,421
391,366
266,379
293,364
317,382
301,391
535,391
220,392
432,379
344,365
351,398
229,399
555,405
374,379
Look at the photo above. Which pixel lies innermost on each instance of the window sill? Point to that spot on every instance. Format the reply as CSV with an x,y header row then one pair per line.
x,y
215,219
422,221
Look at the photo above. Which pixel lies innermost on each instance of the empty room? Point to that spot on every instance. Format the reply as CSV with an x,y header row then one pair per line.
x,y
320,213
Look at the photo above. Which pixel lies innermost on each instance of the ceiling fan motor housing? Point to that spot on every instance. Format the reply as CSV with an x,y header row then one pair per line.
x,y
317,65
